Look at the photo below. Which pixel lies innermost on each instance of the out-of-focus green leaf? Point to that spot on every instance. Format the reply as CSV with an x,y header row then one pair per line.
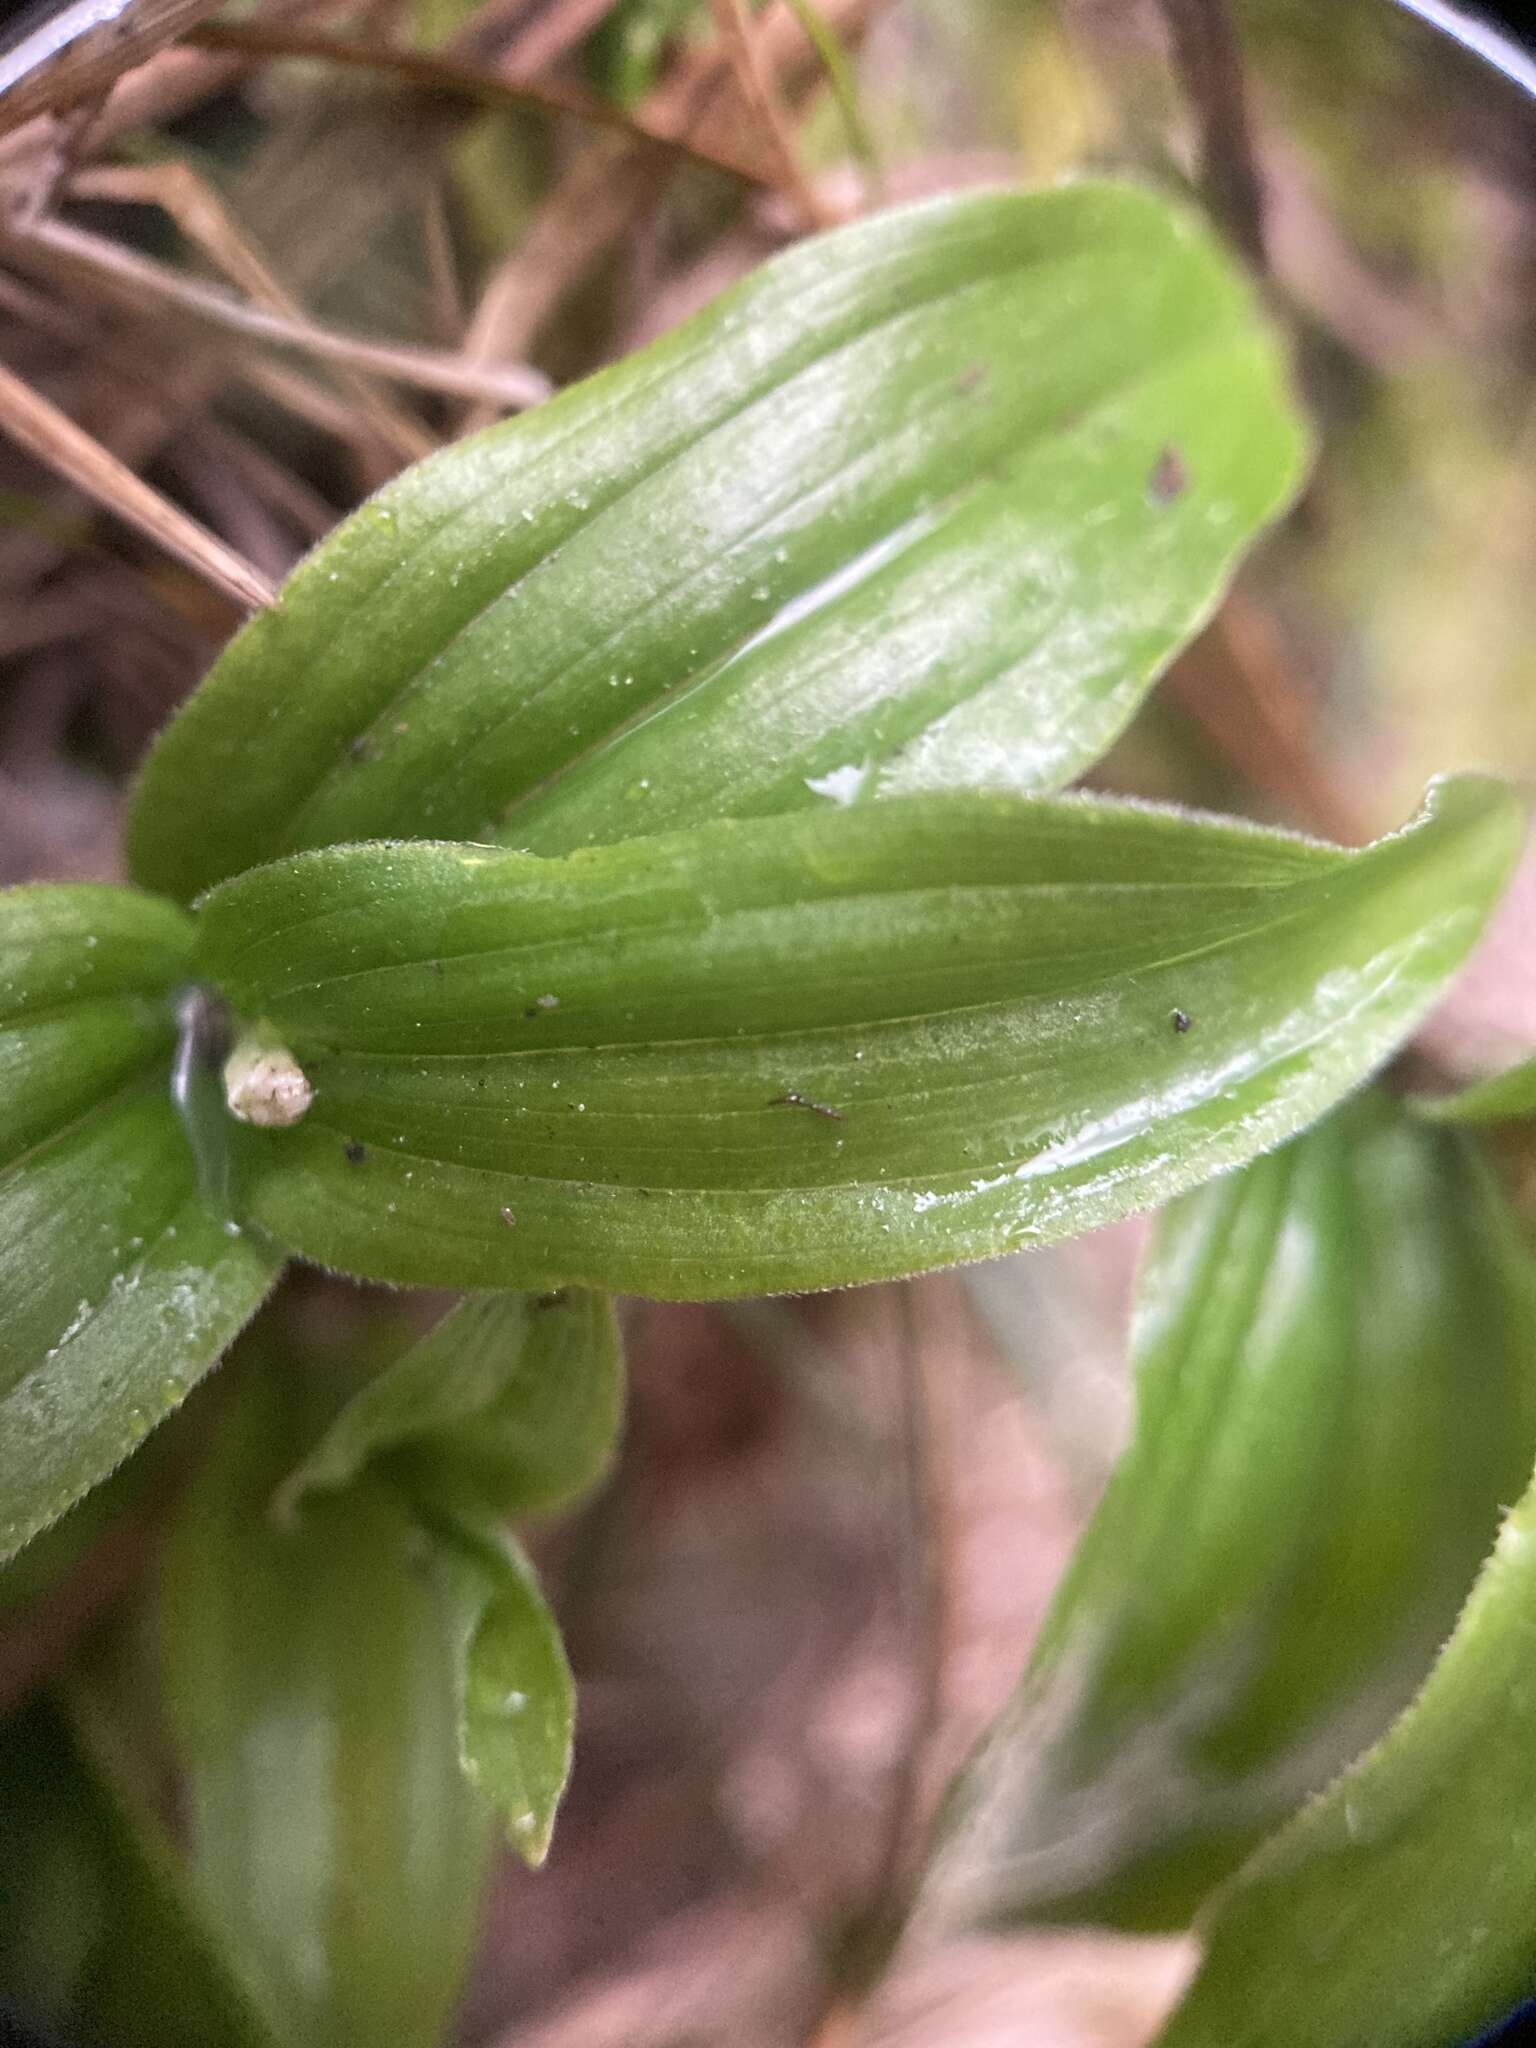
x,y
54,1889
99,1931
1496,1100
87,976
625,53
842,83
1401,1906
101,1518
1335,1357
120,1285
509,1405
807,1051
925,503
310,1683
517,1699
518,1396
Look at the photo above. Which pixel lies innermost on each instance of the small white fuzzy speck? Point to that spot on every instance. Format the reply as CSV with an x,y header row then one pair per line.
x,y
840,785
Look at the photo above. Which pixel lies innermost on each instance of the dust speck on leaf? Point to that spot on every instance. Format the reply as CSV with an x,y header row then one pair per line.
x,y
793,1099
1169,478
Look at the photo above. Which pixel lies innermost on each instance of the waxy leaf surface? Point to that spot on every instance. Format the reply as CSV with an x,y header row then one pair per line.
x,y
821,1049
120,1283
1401,1906
100,1931
924,503
309,1677
1336,1389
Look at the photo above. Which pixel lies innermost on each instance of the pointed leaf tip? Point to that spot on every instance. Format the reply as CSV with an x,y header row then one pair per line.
x,y
826,1048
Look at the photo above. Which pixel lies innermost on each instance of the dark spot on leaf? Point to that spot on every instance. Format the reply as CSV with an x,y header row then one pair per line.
x,y
971,379
356,1151
1169,478
795,1100
509,1219
555,1300
1181,1020
436,966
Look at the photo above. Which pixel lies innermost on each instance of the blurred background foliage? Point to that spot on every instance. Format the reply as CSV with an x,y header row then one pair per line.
x,y
835,1525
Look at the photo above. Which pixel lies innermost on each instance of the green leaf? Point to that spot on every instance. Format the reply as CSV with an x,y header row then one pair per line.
x,y
121,1284
925,503
87,976
817,1050
99,1931
1335,1357
516,1695
1399,1907
1497,1100
627,48
508,1405
519,1397
118,1510
309,1679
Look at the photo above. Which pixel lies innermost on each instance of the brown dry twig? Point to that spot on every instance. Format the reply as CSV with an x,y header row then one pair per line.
x,y
1210,66
429,71
1238,686
505,386
55,440
79,53
597,199
142,81
207,223
756,86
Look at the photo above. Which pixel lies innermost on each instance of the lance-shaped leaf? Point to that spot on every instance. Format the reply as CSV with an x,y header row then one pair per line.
x,y
815,1050
509,1405
309,1678
1500,1098
120,1282
1336,1388
1401,1906
516,1396
516,1695
99,1929
926,502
